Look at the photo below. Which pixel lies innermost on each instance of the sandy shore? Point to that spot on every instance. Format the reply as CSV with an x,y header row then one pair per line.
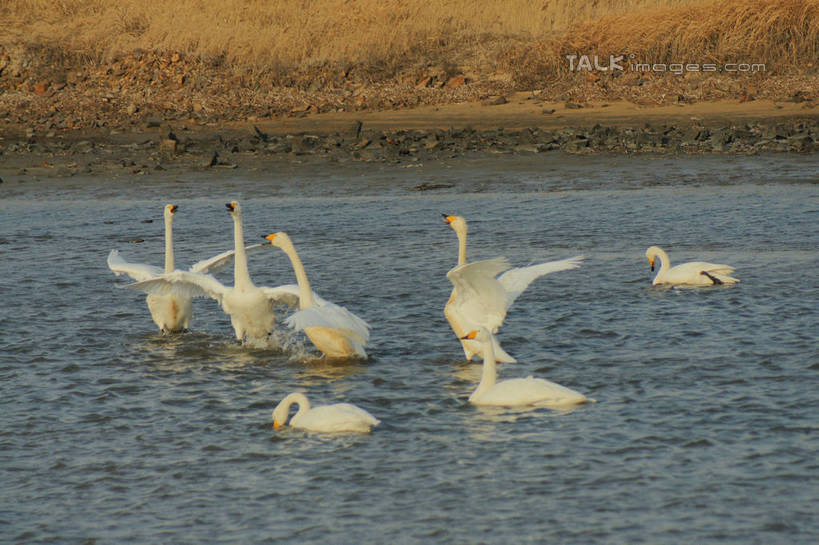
x,y
523,124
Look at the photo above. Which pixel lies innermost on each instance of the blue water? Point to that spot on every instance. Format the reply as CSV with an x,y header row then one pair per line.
x,y
704,429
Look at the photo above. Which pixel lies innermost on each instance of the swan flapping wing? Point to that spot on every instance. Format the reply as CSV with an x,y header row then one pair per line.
x,y
137,271
183,283
480,298
221,261
287,294
515,281
331,316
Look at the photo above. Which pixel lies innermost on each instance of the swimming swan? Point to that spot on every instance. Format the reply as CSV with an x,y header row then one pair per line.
x,y
170,312
516,392
696,273
334,330
341,417
480,299
250,307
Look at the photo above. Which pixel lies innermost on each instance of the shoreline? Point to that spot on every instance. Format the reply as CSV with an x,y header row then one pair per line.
x,y
521,124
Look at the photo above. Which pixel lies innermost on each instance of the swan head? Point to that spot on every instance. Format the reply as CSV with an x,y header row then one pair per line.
x,y
279,240
458,223
233,208
651,255
170,210
281,414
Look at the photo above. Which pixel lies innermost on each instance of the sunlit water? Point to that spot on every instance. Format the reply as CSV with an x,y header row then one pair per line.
x,y
705,425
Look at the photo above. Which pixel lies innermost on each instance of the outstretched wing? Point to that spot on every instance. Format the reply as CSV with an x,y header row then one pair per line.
x,y
515,281
182,283
137,271
287,294
331,316
223,260
479,297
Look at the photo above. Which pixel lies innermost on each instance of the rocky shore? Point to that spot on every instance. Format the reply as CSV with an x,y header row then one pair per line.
x,y
163,147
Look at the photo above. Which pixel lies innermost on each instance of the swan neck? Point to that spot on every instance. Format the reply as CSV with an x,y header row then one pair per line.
x,y
169,260
461,246
300,400
664,262
489,375
305,292
241,276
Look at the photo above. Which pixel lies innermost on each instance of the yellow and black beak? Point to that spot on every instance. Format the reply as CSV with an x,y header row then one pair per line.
x,y
448,219
651,263
269,237
469,336
174,208
276,425
231,206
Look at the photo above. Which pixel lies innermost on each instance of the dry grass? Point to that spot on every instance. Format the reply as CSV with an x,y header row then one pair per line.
x,y
260,34
100,61
782,34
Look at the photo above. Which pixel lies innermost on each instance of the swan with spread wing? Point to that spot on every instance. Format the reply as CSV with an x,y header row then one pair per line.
x,y
480,298
250,307
170,312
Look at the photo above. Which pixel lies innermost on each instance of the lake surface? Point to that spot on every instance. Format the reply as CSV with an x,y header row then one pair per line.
x,y
704,429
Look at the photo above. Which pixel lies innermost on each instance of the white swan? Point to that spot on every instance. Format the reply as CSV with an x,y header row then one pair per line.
x,y
516,392
480,299
696,273
171,312
334,330
341,417
250,307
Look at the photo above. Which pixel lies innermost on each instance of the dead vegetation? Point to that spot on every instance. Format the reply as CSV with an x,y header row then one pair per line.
x,y
92,63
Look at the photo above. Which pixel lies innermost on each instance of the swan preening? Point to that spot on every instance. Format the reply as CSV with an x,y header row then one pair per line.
x,y
341,417
516,392
250,307
696,273
334,330
480,298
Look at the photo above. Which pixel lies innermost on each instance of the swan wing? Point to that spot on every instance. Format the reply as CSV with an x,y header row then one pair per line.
x,y
331,316
183,283
137,271
341,417
515,281
694,273
479,297
222,261
289,294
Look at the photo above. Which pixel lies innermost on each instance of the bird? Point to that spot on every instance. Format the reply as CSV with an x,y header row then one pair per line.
x,y
334,331
478,298
340,417
250,307
516,392
696,273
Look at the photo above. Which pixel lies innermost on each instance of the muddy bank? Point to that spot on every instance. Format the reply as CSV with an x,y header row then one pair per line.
x,y
165,147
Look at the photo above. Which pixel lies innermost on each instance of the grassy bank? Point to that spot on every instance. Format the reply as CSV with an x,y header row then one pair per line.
x,y
237,58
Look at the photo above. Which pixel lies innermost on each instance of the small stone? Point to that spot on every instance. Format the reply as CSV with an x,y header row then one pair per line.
x,y
424,82
573,106
456,81
168,146
41,87
495,101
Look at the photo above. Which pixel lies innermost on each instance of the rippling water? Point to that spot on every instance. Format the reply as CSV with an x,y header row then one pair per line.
x,y
704,428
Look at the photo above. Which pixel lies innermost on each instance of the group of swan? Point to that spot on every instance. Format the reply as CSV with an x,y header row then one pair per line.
x,y
335,331
482,293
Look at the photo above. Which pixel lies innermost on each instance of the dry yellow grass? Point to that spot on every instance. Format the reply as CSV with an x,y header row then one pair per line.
x,y
781,34
263,34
